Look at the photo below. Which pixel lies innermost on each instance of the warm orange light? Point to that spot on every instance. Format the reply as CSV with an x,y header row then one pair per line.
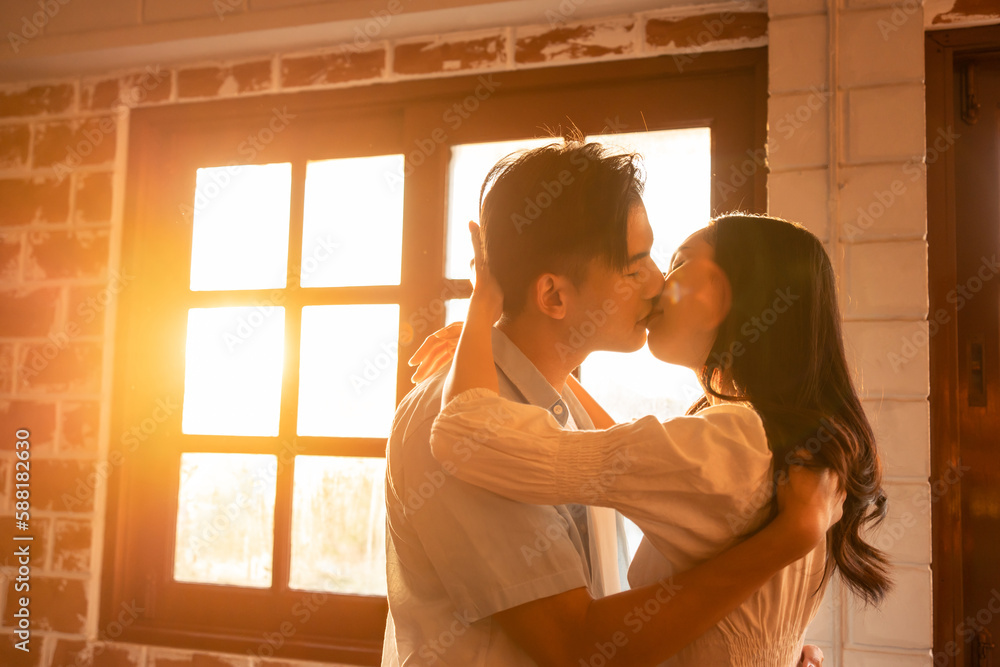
x,y
232,370
347,374
225,519
353,222
338,525
240,237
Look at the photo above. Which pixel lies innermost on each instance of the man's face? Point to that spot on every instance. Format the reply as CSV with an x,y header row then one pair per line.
x,y
612,306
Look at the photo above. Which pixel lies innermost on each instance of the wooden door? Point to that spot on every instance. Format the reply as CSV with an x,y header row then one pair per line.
x,y
963,234
976,297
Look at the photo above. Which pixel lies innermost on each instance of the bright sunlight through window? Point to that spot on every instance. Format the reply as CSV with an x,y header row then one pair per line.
x,y
347,374
353,223
240,237
225,519
348,354
338,525
232,371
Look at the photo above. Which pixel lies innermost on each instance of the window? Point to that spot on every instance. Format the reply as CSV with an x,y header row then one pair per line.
x,y
290,253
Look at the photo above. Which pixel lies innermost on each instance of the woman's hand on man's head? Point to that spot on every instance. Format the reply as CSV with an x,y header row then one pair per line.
x,y
487,297
435,352
438,349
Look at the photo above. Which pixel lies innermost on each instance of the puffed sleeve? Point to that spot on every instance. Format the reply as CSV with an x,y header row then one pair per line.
x,y
697,480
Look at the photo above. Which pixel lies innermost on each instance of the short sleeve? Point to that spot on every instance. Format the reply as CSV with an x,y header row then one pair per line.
x,y
690,483
491,553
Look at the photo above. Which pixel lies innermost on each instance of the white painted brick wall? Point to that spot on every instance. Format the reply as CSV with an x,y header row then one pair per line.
x,y
801,195
873,51
798,52
880,351
884,123
870,658
780,8
869,175
883,279
905,532
876,204
903,437
798,134
904,621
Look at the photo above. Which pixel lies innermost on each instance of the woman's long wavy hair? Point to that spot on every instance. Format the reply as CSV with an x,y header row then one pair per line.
x,y
781,349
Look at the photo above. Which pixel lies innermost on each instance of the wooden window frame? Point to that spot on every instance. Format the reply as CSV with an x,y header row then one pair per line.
x,y
725,91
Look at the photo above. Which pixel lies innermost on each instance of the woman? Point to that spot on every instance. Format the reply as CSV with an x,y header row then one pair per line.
x,y
750,304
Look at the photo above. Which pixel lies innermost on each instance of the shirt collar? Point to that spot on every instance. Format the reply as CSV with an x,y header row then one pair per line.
x,y
526,378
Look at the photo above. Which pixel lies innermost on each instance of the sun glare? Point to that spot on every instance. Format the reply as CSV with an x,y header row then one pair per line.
x,y
348,354
232,371
240,237
225,519
353,222
678,166
347,373
338,525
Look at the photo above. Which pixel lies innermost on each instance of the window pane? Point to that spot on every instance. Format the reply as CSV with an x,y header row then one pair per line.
x,y
678,201
225,519
347,373
678,182
338,525
232,370
630,386
240,238
353,222
633,536
456,310
469,165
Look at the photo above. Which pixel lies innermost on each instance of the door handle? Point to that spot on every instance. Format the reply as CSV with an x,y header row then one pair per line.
x,y
982,654
977,373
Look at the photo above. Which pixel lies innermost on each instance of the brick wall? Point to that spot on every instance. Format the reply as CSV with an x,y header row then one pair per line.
x,y
845,158
846,143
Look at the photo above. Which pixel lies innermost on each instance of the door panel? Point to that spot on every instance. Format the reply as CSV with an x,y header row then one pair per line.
x,y
976,297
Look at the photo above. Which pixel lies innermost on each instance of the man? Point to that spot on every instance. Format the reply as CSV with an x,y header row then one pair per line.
x,y
476,579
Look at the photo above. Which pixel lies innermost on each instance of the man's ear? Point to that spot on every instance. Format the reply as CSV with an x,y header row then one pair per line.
x,y
551,294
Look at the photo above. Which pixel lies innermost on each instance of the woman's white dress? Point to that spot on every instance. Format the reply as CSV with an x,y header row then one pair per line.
x,y
695,485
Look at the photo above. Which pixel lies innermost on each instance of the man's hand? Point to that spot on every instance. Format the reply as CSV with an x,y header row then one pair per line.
x,y
810,503
812,656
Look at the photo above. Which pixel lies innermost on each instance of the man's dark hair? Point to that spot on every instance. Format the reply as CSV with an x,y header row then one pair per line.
x,y
553,210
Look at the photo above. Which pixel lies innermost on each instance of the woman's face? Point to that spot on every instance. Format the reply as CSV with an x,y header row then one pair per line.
x,y
695,300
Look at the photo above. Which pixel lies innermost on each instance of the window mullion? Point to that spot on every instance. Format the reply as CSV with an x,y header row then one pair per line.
x,y
293,308
421,307
290,390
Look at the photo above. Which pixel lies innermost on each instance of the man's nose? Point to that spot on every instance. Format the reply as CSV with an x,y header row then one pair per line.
x,y
654,286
